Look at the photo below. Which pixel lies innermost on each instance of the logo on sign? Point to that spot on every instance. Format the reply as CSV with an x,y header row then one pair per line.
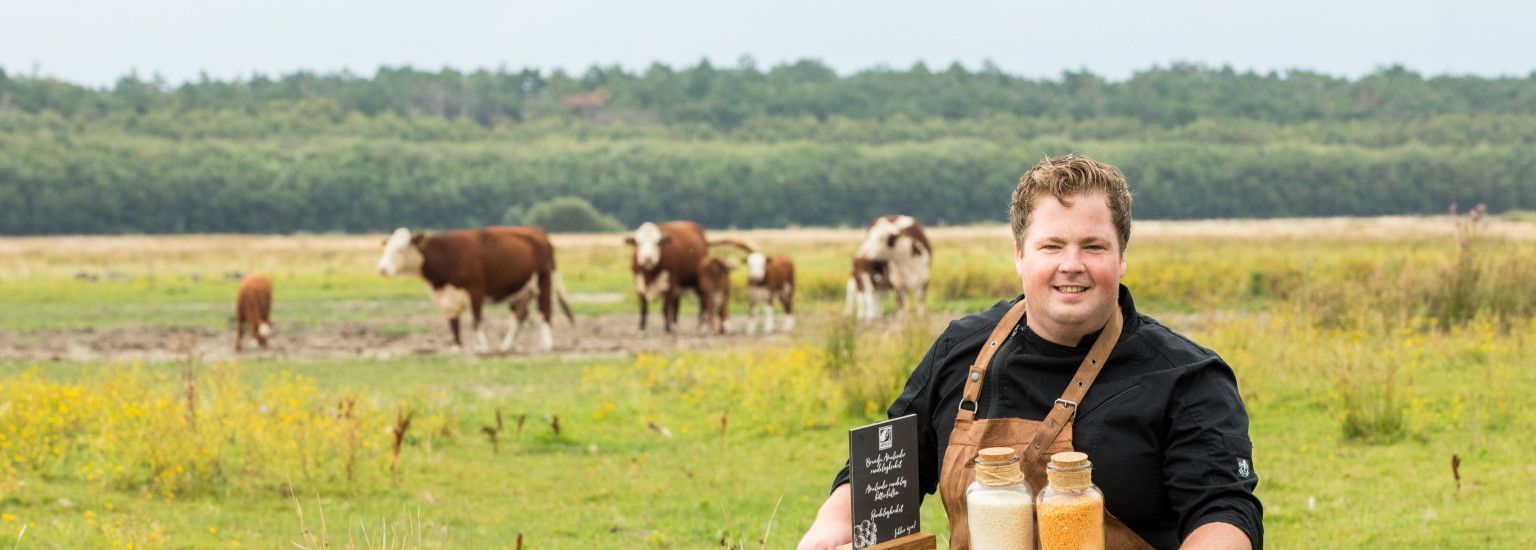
x,y
887,438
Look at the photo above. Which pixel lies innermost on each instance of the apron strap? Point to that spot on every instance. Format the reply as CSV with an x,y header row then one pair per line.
x,y
1066,406
978,371
1062,411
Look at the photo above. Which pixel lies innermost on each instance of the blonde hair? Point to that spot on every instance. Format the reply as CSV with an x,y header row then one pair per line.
x,y
1065,177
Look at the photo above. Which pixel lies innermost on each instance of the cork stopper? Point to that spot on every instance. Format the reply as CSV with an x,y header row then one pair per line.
x,y
1069,471
1069,460
996,454
996,466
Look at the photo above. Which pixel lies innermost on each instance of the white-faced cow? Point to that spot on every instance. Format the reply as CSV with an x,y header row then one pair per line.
x,y
770,279
469,267
899,242
665,262
253,308
715,292
866,282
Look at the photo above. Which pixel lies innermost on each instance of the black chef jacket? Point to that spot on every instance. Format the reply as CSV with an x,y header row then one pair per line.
x,y
1163,423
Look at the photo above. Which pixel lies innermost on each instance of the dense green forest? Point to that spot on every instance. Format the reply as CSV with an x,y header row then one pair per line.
x,y
796,144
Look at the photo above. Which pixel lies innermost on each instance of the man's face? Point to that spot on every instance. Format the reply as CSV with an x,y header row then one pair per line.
x,y
1071,264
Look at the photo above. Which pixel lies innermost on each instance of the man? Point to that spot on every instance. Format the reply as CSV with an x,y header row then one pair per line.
x,y
1159,416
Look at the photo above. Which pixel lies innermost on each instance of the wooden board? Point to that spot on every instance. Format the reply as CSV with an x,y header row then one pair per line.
x,y
914,541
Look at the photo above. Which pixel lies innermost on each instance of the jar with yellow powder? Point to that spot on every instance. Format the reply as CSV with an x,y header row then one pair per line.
x,y
1070,509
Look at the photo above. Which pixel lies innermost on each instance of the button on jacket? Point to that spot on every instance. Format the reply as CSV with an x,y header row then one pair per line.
x,y
1163,424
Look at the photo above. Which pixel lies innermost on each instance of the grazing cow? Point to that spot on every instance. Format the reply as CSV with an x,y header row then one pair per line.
x,y
769,279
253,307
466,268
899,242
665,262
865,284
714,292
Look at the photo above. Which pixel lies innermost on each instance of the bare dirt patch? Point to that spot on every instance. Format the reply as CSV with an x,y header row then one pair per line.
x,y
393,337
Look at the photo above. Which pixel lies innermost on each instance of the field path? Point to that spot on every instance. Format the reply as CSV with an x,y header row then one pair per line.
x,y
593,335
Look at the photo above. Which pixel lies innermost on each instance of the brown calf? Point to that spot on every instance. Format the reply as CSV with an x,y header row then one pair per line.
x,y
866,281
714,292
253,307
770,279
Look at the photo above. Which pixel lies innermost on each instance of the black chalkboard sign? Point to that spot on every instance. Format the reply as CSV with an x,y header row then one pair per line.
x,y
882,465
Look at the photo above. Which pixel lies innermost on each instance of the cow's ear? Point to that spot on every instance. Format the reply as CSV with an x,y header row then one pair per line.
x,y
664,240
417,239
629,241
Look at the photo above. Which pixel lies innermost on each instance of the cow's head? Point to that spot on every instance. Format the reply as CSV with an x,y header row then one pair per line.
x,y
647,241
402,253
880,240
757,267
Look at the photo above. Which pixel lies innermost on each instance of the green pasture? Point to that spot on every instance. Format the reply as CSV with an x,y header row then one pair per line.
x,y
73,282
1367,362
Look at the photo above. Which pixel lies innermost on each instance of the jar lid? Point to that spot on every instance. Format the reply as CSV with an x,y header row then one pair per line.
x,y
1071,459
996,454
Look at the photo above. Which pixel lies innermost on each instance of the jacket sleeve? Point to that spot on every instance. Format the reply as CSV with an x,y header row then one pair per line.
x,y
916,398
1208,459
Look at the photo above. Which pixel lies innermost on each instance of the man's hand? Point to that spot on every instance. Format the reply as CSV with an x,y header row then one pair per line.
x,y
1217,535
834,523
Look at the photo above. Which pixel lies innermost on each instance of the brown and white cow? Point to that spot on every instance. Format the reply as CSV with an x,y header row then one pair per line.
x,y
770,279
253,308
899,242
715,292
469,267
866,283
665,262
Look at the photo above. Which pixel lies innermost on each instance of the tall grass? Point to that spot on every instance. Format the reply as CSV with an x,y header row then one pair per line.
x,y
870,364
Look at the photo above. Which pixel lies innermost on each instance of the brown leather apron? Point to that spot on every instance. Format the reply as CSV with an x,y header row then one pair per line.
x,y
1036,440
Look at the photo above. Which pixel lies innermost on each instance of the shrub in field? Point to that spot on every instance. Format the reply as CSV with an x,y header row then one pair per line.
x,y
1459,300
1372,410
871,367
1518,215
841,347
562,214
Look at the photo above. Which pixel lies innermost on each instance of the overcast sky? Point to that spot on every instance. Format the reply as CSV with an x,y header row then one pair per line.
x,y
95,41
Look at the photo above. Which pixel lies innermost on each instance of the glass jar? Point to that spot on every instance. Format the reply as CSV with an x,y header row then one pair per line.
x,y
1000,507
1070,508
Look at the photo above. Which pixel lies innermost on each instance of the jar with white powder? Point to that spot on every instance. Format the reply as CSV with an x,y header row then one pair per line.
x,y
1000,507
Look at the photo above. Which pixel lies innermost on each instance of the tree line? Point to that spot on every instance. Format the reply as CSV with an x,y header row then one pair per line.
x,y
796,144
725,97
103,184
